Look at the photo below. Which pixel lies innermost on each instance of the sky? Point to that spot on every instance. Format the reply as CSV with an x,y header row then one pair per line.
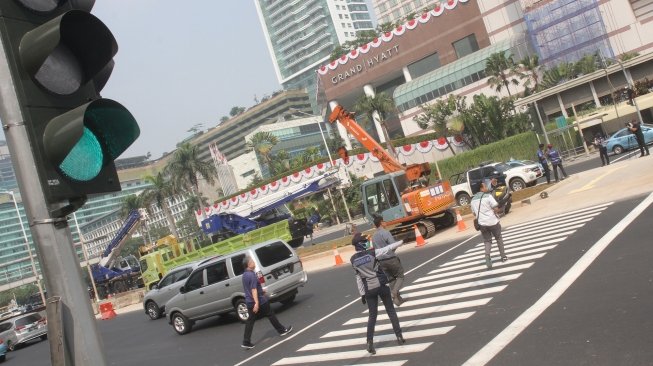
x,y
181,63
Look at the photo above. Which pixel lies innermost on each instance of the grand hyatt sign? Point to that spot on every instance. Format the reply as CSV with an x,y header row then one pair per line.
x,y
365,64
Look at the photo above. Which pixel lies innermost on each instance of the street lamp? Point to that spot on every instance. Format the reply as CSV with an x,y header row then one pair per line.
x,y
29,249
326,146
88,266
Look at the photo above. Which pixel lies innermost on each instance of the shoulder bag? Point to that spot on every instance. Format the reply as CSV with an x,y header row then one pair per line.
x,y
476,225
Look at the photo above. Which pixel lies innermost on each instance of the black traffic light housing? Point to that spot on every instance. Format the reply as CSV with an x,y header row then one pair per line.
x,y
60,57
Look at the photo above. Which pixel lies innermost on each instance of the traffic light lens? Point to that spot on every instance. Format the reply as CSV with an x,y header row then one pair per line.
x,y
85,160
40,5
60,72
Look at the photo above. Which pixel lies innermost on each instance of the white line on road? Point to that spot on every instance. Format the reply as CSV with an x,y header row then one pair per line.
x,y
480,267
599,207
348,355
380,338
473,276
389,363
487,353
460,295
459,286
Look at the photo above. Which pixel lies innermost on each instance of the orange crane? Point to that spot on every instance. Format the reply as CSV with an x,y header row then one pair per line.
x,y
403,196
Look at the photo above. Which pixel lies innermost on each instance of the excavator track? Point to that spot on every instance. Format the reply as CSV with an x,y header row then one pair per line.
x,y
426,228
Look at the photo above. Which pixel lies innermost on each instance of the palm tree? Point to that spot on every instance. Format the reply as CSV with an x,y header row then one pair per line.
x,y
498,68
262,143
129,204
529,70
440,116
185,167
383,105
158,193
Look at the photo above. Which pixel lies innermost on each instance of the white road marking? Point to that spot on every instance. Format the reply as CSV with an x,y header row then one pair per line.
x,y
427,310
599,207
404,324
487,273
389,363
410,335
511,251
464,285
430,300
496,345
463,259
514,258
348,355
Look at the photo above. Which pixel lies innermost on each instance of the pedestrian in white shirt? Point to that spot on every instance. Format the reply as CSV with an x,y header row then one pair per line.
x,y
486,209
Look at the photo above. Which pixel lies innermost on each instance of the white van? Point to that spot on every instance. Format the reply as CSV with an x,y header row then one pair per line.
x,y
216,286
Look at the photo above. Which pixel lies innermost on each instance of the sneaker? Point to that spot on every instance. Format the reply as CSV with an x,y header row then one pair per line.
x,y
286,331
397,300
488,262
247,345
504,258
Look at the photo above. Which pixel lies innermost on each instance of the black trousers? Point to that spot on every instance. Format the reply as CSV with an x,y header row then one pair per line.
x,y
263,310
643,149
372,298
603,151
547,172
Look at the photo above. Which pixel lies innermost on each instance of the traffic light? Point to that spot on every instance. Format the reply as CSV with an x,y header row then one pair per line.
x,y
60,57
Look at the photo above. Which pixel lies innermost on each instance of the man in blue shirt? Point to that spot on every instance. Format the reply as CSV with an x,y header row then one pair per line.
x,y
257,304
541,158
556,162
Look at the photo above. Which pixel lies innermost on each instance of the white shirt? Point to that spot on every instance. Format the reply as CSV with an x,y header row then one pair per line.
x,y
485,215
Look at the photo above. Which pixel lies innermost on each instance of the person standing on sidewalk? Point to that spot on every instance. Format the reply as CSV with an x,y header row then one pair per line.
x,y
603,150
556,161
541,158
257,304
390,263
636,129
373,284
485,209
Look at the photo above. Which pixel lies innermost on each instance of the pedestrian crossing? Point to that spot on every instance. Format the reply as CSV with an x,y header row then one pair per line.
x,y
447,295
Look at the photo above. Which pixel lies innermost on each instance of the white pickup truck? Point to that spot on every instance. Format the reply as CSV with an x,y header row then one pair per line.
x,y
465,185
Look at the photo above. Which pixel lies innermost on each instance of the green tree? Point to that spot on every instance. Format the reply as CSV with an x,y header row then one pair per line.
x,y
236,111
158,193
338,52
586,65
529,69
281,162
440,117
185,167
262,143
224,119
628,55
499,67
383,105
497,116
557,74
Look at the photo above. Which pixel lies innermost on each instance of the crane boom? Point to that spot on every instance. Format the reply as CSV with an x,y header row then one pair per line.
x,y
113,249
388,162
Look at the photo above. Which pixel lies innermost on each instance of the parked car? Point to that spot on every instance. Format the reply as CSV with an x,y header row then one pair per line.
x,y
3,350
528,166
624,140
22,329
215,287
155,300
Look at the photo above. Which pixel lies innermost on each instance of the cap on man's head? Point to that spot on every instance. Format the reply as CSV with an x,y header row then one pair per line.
x,y
359,241
549,146
541,146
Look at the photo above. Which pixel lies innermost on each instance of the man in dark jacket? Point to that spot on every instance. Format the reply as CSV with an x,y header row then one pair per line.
x,y
390,263
556,162
372,285
636,129
541,158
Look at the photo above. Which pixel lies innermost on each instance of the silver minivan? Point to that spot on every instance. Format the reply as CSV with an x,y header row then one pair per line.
x,y
155,300
215,287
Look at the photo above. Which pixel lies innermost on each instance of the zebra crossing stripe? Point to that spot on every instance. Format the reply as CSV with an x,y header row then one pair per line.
x,y
512,249
462,259
404,324
470,276
426,310
389,363
599,208
477,267
430,300
350,355
380,338
459,286
554,224
559,227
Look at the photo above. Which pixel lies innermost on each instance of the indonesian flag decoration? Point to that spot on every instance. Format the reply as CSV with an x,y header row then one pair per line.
x,y
362,158
424,146
274,186
308,172
296,177
264,189
407,150
458,141
440,143
253,193
285,181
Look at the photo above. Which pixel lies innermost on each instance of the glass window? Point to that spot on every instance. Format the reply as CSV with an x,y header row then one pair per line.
x,y
466,46
390,191
425,65
195,281
216,272
273,253
238,264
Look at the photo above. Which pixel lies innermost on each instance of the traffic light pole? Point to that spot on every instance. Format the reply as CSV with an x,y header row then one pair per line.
x,y
76,341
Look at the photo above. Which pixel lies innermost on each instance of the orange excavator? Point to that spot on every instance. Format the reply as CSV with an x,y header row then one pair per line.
x,y
402,196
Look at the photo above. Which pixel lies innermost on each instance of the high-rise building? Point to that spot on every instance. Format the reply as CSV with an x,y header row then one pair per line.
x,y
393,11
302,34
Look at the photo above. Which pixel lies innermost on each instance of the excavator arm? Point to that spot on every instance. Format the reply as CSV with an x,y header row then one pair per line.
x,y
389,163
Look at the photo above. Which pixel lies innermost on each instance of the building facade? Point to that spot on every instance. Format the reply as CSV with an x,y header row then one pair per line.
x,y
301,35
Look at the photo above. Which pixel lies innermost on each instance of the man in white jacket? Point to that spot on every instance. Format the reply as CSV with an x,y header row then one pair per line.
x,y
486,209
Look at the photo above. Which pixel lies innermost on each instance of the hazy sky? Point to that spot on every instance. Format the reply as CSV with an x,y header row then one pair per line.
x,y
184,62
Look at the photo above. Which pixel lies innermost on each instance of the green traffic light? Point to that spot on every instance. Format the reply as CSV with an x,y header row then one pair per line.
x,y
85,160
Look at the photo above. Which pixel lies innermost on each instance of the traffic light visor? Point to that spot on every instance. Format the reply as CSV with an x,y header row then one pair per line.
x,y
81,142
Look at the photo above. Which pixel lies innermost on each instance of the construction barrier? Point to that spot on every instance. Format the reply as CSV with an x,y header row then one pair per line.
x,y
418,237
461,222
106,311
336,254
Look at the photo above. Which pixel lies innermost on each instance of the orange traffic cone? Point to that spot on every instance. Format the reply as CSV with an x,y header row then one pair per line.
x,y
106,310
336,254
418,237
461,222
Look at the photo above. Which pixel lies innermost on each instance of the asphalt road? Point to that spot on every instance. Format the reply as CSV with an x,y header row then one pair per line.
x,y
456,311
